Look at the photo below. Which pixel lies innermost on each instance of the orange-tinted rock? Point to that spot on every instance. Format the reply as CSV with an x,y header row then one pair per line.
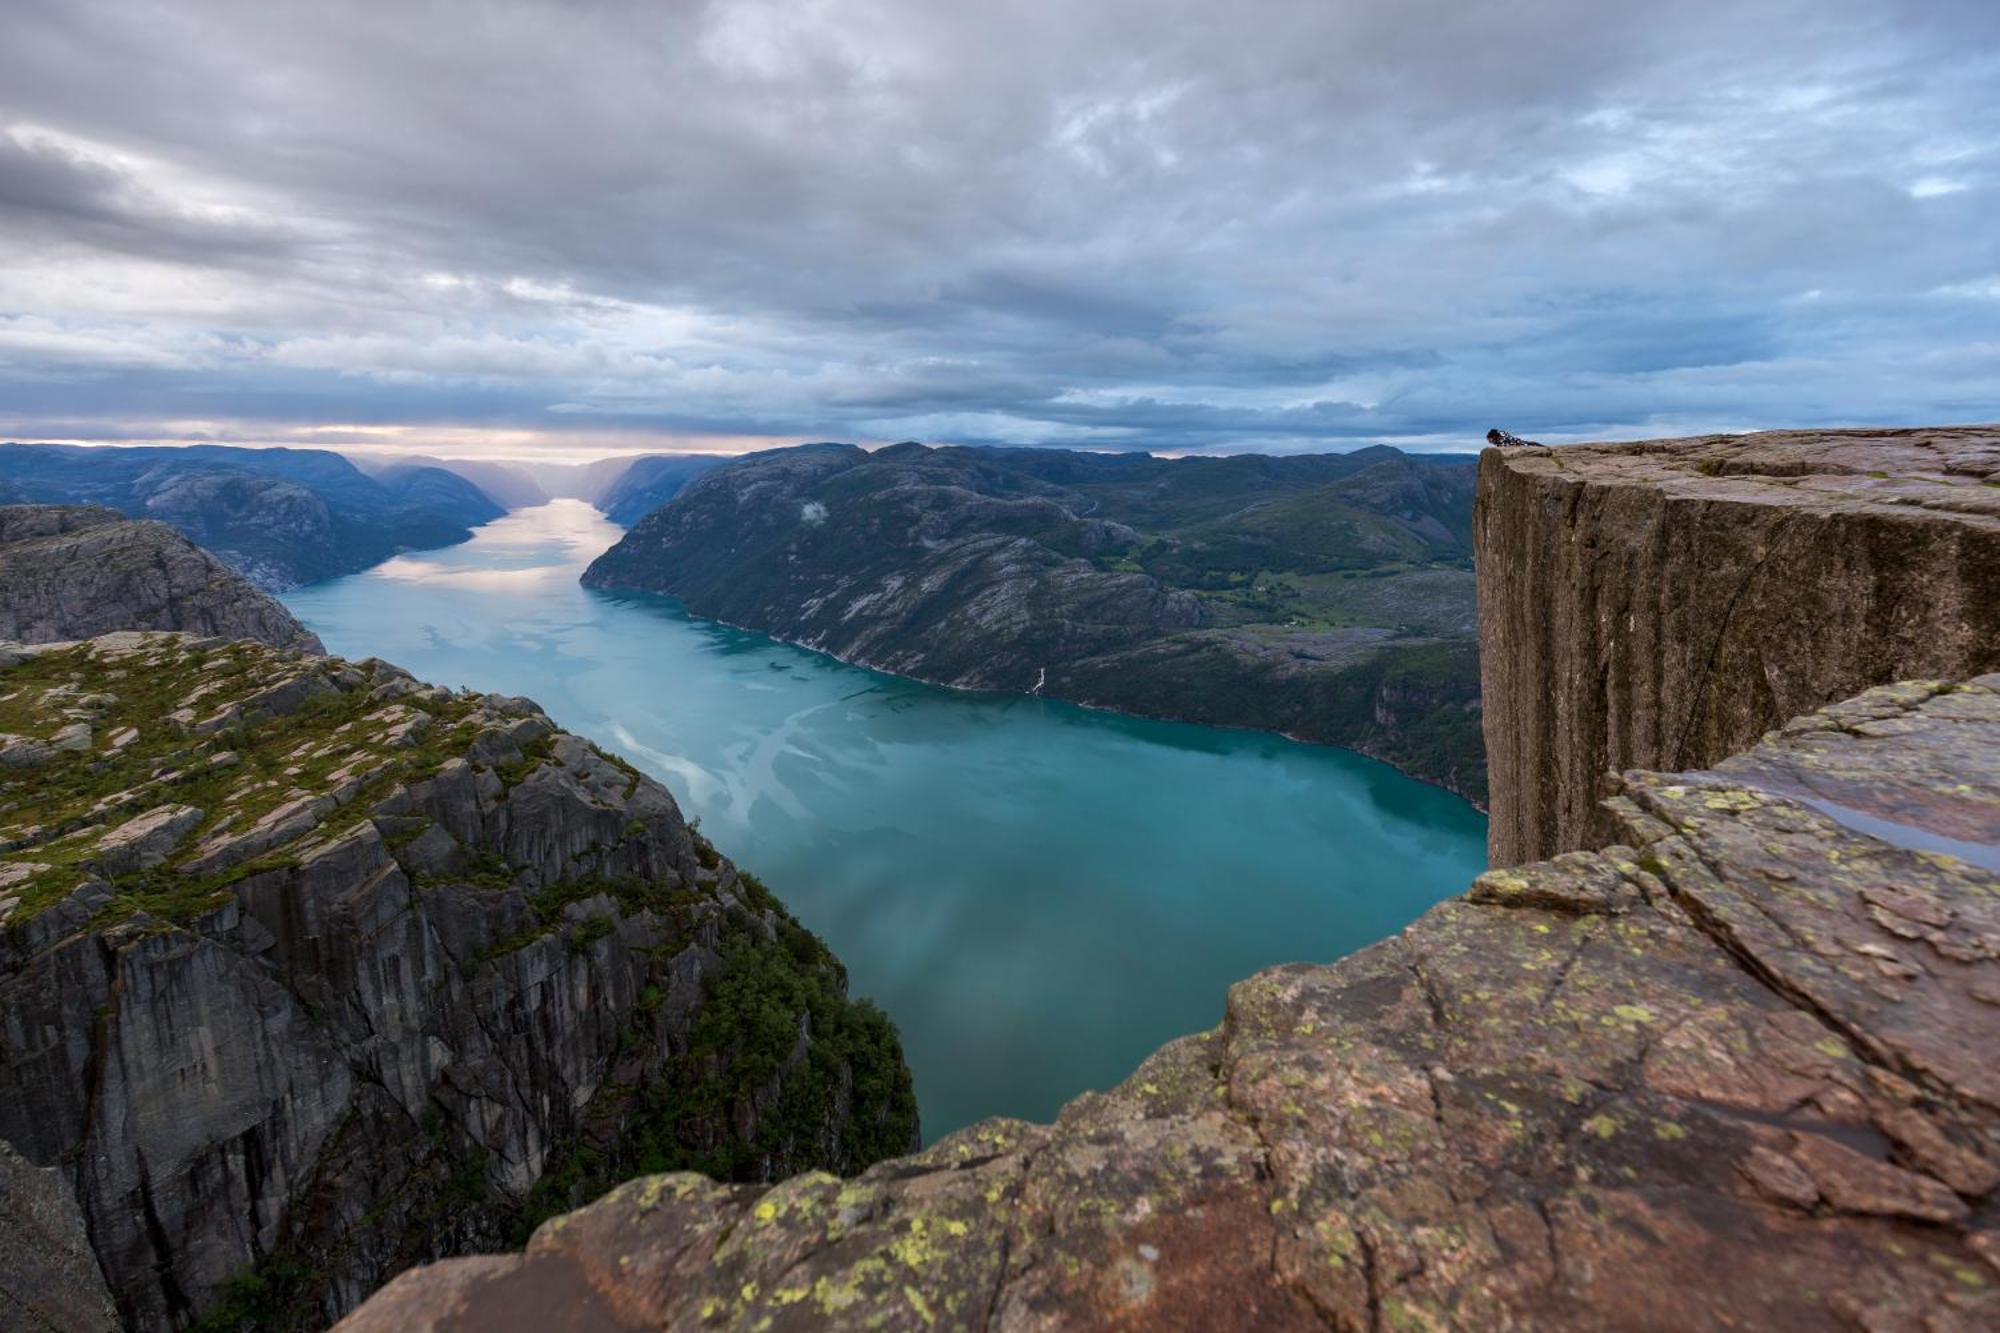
x,y
1660,605
1666,1085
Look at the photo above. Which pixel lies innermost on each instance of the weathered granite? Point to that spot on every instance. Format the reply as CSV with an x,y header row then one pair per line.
x,y
1661,604
75,571
1736,1074
49,1281
310,971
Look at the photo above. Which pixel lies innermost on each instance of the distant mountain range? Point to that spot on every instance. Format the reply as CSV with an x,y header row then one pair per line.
x,y
281,517
1326,596
625,488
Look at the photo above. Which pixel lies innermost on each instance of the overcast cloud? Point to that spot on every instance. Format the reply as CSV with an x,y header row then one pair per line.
x,y
1237,224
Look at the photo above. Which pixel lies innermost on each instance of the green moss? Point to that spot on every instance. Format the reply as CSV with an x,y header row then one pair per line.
x,y
275,1292
533,755
272,761
746,1030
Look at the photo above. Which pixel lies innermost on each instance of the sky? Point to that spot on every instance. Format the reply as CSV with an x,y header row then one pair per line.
x,y
584,228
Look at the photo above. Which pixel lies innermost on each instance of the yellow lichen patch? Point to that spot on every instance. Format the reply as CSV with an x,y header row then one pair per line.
x,y
1669,1131
831,1296
1604,1126
916,1248
1502,881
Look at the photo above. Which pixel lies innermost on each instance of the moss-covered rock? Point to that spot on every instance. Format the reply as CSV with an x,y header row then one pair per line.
x,y
310,971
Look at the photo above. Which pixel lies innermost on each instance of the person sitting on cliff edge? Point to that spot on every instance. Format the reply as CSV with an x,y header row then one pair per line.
x,y
1506,439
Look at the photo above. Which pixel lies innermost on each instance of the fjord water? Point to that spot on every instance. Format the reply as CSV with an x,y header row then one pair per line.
x,y
1039,895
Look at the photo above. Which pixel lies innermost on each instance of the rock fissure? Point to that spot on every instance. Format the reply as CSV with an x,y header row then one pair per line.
x,y
1682,758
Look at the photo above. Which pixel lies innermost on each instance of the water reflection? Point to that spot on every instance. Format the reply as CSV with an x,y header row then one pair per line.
x,y
1038,894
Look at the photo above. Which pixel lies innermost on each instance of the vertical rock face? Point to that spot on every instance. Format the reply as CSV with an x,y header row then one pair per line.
x,y
1662,604
309,971
49,1281
1738,1073
74,571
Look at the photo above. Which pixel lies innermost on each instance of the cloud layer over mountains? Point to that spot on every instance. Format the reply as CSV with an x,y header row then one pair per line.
x,y
1172,224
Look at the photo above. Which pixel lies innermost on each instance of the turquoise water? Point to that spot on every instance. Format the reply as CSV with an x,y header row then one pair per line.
x,y
1039,895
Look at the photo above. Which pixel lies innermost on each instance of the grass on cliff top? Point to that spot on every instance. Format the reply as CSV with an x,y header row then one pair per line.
x,y
75,798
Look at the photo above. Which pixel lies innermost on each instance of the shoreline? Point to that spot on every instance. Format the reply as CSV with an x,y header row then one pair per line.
x,y
1112,709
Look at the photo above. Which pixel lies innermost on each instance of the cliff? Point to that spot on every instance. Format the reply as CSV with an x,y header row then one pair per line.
x,y
1324,596
1737,1072
1732,1067
76,572
309,971
650,481
279,517
1661,605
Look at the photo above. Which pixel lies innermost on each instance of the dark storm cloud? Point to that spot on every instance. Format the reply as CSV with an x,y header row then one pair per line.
x,y
1131,224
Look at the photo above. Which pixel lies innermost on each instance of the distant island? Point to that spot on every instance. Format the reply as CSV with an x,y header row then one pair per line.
x,y
1326,596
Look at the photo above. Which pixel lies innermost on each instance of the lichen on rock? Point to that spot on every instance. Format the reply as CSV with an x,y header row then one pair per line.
x,y
1734,1071
310,971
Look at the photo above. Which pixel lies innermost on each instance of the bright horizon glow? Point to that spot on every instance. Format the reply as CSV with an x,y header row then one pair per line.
x,y
1178,226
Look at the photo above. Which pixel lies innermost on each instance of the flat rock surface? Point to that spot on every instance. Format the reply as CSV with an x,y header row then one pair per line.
x,y
1733,1072
1661,604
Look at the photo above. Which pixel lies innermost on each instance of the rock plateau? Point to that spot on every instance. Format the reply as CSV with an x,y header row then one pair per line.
x,y
1662,604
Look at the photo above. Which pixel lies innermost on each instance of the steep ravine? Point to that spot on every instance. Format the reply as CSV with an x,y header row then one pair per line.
x,y
1733,1069
310,971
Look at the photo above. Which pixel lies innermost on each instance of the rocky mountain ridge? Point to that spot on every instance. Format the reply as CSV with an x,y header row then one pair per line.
x,y
70,572
309,971
280,517
651,481
1324,596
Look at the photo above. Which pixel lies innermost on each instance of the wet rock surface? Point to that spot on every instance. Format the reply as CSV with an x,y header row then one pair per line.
x,y
310,971
74,571
1734,1071
1662,604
